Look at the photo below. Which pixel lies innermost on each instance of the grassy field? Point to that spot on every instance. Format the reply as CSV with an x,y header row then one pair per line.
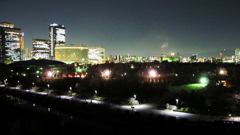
x,y
189,87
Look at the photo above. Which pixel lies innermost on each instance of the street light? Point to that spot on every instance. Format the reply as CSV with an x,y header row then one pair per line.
x,y
95,92
33,84
48,85
222,72
204,81
106,74
177,100
152,73
135,96
49,74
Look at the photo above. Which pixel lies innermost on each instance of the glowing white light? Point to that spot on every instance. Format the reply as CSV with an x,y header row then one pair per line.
x,y
175,114
66,97
94,101
204,80
152,73
172,54
42,93
106,74
222,72
49,74
83,76
137,107
60,35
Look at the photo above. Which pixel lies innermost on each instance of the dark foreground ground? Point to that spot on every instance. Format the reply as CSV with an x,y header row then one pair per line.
x,y
18,116
15,120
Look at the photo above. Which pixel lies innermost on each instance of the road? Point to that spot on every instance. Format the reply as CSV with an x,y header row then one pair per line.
x,y
141,108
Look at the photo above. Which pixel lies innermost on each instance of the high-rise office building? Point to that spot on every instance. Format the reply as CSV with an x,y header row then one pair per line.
x,y
27,54
57,38
96,55
41,49
237,55
11,43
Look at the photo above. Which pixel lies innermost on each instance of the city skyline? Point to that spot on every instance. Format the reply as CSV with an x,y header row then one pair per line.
x,y
136,27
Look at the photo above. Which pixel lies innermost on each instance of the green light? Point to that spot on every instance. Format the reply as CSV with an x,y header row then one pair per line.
x,y
195,86
80,69
189,87
204,80
37,72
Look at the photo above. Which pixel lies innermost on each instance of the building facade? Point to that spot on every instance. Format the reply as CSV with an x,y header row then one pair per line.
x,y
11,43
27,54
57,37
96,55
40,49
72,54
80,54
237,55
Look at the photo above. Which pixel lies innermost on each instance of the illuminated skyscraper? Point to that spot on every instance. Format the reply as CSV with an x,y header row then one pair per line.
x,y
11,43
96,55
237,55
57,37
41,49
27,54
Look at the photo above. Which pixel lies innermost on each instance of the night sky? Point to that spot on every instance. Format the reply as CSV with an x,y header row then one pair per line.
x,y
138,27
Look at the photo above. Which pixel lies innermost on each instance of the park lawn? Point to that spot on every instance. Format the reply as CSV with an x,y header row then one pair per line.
x,y
189,87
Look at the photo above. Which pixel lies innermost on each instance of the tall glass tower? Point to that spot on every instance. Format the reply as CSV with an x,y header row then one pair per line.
x,y
11,43
57,38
